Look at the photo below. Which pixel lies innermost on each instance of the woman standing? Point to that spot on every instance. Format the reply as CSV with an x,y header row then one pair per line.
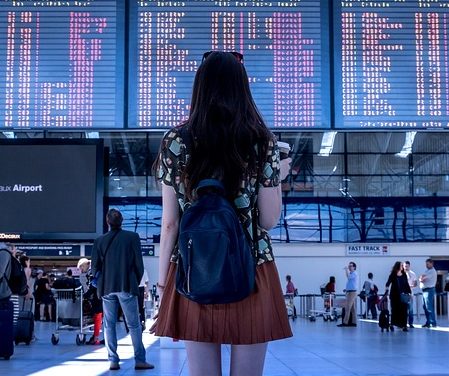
x,y
224,138
26,265
44,296
290,288
400,291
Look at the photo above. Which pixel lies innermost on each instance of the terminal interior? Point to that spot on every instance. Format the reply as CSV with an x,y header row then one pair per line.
x,y
360,92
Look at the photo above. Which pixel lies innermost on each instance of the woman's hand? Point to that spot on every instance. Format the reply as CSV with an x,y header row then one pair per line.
x,y
285,167
152,330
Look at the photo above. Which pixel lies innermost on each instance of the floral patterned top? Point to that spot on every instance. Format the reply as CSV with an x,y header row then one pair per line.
x,y
173,158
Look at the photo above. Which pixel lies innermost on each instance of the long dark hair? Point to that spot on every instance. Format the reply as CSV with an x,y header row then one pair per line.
x,y
224,125
396,267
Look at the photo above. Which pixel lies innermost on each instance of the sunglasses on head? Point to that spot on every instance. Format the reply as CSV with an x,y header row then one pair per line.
x,y
237,55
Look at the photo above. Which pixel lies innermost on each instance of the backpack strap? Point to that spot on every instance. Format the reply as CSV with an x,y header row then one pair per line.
x,y
255,211
103,254
9,263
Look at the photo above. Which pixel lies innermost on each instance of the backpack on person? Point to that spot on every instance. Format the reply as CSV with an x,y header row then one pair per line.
x,y
17,280
216,263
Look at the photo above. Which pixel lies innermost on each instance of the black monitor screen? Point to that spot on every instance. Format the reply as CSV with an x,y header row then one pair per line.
x,y
51,190
282,43
61,64
391,64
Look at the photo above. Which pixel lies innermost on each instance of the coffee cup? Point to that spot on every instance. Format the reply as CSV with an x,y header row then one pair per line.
x,y
284,149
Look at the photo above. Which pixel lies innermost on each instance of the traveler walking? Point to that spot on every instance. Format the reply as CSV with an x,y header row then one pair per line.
x,y
400,292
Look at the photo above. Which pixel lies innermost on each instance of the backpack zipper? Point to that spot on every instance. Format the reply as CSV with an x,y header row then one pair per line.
x,y
189,248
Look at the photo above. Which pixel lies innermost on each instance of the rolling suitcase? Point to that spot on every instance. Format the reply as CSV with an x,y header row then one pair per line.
x,y
25,325
384,316
6,329
384,320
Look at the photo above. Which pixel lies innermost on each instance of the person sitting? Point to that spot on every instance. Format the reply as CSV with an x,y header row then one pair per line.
x,y
330,286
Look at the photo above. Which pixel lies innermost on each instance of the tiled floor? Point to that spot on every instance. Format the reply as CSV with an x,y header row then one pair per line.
x,y
317,348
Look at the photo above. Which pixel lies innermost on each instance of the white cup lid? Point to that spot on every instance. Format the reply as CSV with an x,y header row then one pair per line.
x,y
283,145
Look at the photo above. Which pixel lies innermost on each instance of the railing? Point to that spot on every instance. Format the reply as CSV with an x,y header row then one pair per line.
x,y
313,302
309,302
418,309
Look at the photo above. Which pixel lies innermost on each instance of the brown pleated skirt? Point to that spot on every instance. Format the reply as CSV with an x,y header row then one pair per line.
x,y
261,317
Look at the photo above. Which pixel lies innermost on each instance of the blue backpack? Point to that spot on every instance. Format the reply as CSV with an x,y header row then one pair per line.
x,y
216,263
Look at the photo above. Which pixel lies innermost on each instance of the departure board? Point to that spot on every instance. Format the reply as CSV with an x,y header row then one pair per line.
x,y
391,64
282,43
61,64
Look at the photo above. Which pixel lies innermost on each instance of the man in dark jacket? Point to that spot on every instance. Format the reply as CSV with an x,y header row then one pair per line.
x,y
5,270
118,258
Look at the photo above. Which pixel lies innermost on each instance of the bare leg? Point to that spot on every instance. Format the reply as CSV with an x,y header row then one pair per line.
x,y
50,312
248,360
42,311
203,358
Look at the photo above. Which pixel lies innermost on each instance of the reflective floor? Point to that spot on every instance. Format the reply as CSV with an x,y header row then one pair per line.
x,y
317,348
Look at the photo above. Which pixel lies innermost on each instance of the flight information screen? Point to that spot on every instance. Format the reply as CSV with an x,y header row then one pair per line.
x,y
391,64
57,196
61,64
282,43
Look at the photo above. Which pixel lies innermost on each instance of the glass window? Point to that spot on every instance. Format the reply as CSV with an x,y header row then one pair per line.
x,y
378,186
377,164
357,190
428,185
431,164
145,219
375,142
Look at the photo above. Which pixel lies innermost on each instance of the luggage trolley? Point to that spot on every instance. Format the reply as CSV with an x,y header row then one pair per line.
x,y
70,315
329,311
290,305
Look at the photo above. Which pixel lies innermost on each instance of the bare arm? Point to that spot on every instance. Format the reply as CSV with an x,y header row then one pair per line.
x,y
269,205
387,285
138,260
169,230
95,259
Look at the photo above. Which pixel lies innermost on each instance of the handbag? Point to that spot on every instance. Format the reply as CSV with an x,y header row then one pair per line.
x,y
362,295
405,298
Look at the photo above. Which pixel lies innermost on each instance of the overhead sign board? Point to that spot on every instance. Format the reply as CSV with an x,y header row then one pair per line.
x,y
367,250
